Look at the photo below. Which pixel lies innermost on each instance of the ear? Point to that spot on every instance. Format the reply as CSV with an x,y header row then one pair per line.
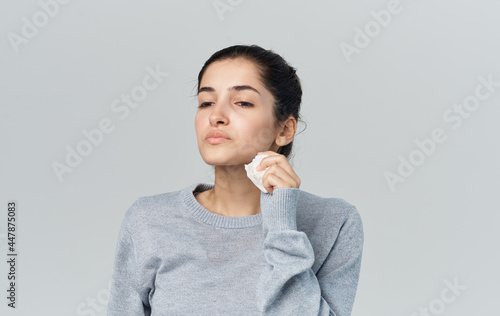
x,y
288,129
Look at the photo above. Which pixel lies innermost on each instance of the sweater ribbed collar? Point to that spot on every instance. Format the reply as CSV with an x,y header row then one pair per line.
x,y
210,218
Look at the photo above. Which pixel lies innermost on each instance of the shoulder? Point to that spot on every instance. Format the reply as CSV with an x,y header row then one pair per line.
x,y
151,209
327,214
331,207
329,223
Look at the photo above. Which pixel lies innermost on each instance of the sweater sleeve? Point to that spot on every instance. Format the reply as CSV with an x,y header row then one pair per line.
x,y
288,285
128,294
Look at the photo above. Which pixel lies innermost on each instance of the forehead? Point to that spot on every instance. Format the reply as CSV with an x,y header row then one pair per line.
x,y
231,71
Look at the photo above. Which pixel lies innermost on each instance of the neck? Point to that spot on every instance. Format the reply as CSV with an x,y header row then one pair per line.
x,y
234,194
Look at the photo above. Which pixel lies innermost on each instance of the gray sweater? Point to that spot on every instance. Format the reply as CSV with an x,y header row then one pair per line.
x,y
300,255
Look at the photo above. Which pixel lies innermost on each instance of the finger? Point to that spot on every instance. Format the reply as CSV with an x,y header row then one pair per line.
x,y
271,182
286,174
277,177
268,152
268,161
278,159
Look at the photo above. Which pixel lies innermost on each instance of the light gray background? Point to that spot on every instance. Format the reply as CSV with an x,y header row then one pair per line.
x,y
440,224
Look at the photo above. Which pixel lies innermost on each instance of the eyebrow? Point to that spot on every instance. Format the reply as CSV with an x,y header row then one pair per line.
x,y
234,88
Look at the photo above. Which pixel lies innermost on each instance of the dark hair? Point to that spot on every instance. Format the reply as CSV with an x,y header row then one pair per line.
x,y
276,75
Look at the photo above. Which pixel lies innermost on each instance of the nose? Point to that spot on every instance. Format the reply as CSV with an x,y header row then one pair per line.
x,y
218,115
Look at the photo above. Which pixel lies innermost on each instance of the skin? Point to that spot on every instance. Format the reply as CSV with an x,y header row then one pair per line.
x,y
251,131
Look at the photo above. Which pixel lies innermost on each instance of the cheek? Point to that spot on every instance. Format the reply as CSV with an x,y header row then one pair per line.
x,y
257,133
198,125
258,124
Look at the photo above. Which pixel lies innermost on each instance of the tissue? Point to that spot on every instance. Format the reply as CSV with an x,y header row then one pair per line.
x,y
256,176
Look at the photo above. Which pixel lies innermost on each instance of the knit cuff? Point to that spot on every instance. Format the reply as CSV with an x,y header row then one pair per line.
x,y
279,210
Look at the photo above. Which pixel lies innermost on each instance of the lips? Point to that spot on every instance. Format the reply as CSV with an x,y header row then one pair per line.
x,y
217,134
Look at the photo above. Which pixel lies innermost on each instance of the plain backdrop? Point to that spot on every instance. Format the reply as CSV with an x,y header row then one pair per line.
x,y
379,78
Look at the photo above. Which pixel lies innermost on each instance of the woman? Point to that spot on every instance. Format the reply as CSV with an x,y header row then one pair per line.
x,y
229,248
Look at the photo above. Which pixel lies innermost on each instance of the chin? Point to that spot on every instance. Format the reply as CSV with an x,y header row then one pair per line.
x,y
222,158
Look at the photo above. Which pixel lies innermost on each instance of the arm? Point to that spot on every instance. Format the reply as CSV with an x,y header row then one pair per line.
x,y
128,294
288,285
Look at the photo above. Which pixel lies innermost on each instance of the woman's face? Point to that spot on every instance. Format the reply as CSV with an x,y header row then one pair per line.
x,y
231,99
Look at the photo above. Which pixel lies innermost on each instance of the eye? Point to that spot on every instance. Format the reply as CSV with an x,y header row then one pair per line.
x,y
241,103
245,104
204,104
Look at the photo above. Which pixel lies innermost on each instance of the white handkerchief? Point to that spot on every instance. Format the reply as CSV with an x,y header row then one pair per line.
x,y
256,176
